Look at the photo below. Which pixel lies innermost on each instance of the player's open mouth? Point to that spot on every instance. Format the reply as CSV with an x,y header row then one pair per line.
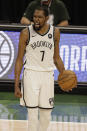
x,y
37,24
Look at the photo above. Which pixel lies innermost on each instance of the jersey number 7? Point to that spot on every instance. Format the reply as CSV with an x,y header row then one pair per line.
x,y
43,52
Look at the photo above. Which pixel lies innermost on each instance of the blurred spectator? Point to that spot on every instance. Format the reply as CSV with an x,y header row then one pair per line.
x,y
58,13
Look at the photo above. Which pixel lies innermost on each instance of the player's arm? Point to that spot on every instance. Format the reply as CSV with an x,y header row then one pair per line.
x,y
63,23
64,15
26,18
57,59
25,21
19,61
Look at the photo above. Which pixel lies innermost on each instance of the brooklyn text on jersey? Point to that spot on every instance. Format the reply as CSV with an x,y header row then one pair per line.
x,y
41,44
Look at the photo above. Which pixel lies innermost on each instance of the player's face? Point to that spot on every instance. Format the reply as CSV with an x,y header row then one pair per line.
x,y
46,2
39,19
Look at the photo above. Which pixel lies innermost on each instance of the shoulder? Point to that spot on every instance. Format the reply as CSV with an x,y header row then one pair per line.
x,y
56,35
59,3
56,31
24,33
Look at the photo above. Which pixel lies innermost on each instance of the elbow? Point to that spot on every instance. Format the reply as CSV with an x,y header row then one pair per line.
x,y
25,21
22,20
55,61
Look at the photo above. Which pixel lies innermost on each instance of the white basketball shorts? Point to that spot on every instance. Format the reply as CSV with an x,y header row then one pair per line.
x,y
37,89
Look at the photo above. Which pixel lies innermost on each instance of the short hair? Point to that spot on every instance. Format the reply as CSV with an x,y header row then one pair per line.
x,y
43,8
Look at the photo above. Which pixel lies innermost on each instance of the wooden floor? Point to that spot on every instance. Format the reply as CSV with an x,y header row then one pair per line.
x,y
21,125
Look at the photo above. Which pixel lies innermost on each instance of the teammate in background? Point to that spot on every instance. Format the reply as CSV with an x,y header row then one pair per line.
x,y
40,45
58,13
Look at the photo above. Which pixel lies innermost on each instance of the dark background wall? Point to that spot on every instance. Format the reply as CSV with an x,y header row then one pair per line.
x,y
78,11
12,10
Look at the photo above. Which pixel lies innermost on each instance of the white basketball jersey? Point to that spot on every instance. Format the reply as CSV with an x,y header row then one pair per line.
x,y
40,50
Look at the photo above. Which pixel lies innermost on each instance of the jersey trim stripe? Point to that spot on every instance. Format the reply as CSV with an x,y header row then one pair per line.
x,y
43,34
45,108
23,87
54,35
28,35
38,107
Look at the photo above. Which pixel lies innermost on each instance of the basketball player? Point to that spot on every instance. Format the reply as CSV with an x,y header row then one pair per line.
x,y
40,45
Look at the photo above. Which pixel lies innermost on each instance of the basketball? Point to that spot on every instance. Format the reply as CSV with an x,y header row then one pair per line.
x,y
67,80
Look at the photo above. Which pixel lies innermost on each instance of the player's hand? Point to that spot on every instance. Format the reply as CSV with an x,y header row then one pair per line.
x,y
18,93
67,90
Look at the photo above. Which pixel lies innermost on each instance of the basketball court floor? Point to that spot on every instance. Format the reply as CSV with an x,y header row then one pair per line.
x,y
69,114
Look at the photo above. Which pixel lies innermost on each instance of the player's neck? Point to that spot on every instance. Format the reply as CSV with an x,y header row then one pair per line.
x,y
44,29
